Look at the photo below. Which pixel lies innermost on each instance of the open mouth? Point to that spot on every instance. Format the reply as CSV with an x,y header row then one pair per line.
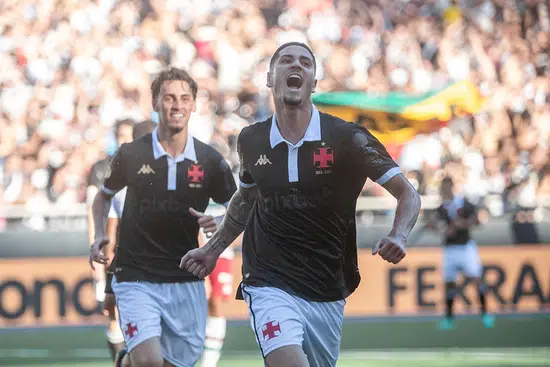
x,y
294,81
176,115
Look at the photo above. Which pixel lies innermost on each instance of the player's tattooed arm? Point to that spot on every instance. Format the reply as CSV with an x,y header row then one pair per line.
x,y
234,220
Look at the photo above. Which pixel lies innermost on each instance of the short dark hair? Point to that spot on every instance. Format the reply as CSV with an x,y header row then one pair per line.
x,y
288,44
447,180
143,128
169,74
124,122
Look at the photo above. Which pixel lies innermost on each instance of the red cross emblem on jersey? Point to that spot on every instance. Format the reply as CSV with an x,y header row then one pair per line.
x,y
195,173
131,330
271,330
324,157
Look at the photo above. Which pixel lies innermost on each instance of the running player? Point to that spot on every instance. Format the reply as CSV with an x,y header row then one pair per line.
x,y
123,133
114,333
301,174
460,254
169,178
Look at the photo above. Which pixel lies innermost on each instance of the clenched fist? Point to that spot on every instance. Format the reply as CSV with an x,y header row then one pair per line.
x,y
391,249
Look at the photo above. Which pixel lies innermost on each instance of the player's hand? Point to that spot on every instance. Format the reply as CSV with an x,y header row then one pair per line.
x,y
199,262
96,252
391,249
109,305
206,222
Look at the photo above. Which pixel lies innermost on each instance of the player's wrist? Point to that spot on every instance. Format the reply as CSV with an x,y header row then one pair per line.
x,y
398,235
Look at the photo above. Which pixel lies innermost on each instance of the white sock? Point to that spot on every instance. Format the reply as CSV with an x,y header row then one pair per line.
x,y
215,334
115,336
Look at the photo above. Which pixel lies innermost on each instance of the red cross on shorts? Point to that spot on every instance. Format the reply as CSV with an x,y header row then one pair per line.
x,y
131,330
323,156
195,173
270,330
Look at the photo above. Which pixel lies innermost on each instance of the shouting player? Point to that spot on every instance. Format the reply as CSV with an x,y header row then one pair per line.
x,y
114,333
123,134
460,253
301,174
169,178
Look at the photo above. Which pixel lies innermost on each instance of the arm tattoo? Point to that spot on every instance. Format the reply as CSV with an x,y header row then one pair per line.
x,y
235,219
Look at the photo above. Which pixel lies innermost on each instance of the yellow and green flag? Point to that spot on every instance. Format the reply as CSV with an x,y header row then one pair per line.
x,y
395,118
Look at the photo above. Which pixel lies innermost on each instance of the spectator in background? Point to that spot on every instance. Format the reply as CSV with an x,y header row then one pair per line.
x,y
69,70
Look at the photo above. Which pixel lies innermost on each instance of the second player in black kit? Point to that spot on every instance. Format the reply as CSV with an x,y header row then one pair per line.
x,y
156,226
169,178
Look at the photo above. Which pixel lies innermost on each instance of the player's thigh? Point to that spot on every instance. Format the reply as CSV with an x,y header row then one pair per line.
x,y
147,354
288,356
274,317
139,312
183,322
323,334
451,265
472,266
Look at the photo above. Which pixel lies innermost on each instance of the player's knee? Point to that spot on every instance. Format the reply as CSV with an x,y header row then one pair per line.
x,y
450,290
146,360
126,361
288,356
215,306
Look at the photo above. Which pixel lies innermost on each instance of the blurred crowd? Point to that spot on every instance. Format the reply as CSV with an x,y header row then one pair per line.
x,y
69,69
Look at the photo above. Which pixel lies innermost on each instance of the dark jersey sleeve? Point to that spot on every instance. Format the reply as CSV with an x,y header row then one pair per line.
x,y
442,213
116,180
94,178
370,157
470,210
224,185
245,177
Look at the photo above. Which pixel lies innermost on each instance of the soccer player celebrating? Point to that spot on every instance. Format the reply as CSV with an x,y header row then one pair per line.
x,y
123,133
460,253
169,178
301,174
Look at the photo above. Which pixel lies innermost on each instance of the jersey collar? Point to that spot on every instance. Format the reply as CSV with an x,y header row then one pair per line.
x,y
188,153
313,132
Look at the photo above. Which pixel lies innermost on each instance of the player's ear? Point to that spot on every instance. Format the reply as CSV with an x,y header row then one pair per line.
x,y
155,105
314,86
194,107
269,83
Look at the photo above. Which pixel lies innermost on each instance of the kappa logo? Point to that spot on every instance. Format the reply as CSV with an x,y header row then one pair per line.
x,y
263,160
146,170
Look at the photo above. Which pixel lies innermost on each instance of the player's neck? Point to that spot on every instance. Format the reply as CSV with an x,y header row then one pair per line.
x,y
173,142
293,121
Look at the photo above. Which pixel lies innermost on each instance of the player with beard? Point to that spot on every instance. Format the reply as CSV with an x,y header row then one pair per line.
x,y
169,178
300,176
123,134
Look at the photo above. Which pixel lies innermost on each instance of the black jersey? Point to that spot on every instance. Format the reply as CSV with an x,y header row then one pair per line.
x,y
98,172
301,234
449,211
156,229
